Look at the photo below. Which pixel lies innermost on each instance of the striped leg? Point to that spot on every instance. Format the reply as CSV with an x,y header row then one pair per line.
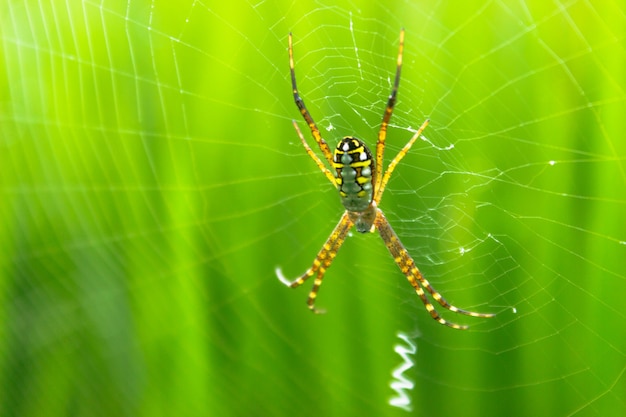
x,y
303,110
391,102
317,160
321,262
415,277
392,165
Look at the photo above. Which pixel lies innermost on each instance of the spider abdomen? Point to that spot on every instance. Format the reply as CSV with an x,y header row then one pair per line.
x,y
355,168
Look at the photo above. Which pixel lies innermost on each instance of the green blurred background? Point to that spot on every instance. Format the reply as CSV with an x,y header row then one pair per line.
x,y
151,183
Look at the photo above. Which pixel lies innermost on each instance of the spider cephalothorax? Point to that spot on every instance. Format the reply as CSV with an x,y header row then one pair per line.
x,y
361,182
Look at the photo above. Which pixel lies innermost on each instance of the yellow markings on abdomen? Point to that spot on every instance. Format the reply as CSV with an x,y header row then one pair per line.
x,y
354,165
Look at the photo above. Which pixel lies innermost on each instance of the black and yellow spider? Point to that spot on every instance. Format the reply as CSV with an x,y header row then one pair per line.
x,y
361,184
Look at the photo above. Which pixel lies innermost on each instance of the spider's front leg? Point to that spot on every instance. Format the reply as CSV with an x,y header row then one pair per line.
x,y
322,261
416,279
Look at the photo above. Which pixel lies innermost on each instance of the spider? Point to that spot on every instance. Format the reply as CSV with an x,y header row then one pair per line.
x,y
361,183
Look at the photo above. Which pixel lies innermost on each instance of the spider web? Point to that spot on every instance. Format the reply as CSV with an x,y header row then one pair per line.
x,y
151,182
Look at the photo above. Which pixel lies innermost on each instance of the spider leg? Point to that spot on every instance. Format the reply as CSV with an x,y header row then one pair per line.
x,y
415,277
303,110
396,160
322,261
318,161
391,102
